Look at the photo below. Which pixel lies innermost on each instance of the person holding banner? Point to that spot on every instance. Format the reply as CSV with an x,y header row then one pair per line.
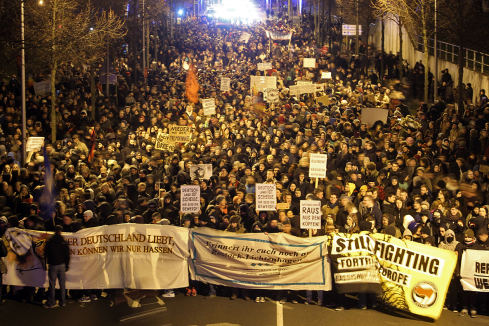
x,y
57,255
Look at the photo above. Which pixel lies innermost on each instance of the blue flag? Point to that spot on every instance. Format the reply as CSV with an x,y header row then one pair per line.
x,y
47,203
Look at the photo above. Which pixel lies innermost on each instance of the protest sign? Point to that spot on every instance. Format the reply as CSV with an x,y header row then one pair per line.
x,y
317,165
271,95
294,90
244,37
104,257
42,88
260,83
201,171
163,144
310,214
303,82
279,35
415,277
283,206
264,66
189,199
326,75
350,30
324,100
179,134
372,115
259,261
354,263
34,144
225,84
266,197
209,106
309,63
475,270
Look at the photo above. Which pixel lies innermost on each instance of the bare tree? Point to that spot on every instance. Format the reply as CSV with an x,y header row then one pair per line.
x,y
67,32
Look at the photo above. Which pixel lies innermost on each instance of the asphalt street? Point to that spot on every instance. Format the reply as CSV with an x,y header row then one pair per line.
x,y
201,310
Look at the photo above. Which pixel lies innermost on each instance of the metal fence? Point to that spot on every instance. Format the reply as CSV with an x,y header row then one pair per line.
x,y
474,60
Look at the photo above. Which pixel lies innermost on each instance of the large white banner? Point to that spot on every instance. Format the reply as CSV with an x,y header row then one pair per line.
x,y
273,261
135,256
474,270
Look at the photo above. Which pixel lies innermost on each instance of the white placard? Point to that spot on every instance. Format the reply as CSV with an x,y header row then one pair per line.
x,y
271,95
372,115
326,75
310,214
225,84
34,144
209,106
264,66
201,171
266,197
260,83
309,62
189,199
317,165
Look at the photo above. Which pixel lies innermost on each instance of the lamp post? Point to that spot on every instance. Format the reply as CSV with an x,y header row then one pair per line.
x,y
22,73
435,83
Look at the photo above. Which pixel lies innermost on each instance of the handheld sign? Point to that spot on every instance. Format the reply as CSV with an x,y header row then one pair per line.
x,y
225,84
201,171
271,95
209,106
189,199
309,63
264,66
317,165
310,214
266,197
326,75
34,144
179,134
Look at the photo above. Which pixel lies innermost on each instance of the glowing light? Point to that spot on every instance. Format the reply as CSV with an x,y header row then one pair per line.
x,y
236,12
180,12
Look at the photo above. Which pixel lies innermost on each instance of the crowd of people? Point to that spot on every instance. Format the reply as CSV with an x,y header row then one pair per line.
x,y
421,176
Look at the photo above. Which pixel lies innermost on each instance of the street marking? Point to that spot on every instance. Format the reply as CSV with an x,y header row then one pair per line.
x,y
280,313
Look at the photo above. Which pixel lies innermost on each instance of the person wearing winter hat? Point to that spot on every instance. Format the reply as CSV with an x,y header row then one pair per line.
x,y
454,290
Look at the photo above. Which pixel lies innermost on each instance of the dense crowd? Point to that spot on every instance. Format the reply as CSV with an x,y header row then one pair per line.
x,y
421,176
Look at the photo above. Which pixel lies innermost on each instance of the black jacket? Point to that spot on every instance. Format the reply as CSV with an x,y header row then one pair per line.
x,y
57,251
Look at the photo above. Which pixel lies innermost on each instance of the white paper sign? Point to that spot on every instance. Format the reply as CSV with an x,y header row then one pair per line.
x,y
189,199
271,95
372,115
309,62
317,165
201,171
209,106
225,84
326,75
474,270
266,197
264,66
34,144
259,83
310,214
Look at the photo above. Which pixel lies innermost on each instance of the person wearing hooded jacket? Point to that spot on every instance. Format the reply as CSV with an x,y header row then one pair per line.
x,y
57,255
454,290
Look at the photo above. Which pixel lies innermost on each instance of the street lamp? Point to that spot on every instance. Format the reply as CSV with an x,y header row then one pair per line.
x,y
22,73
435,83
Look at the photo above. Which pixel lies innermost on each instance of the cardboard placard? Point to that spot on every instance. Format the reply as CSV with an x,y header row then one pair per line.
x,y
262,66
163,144
225,84
326,75
179,134
266,197
34,144
309,63
317,165
189,199
260,83
201,171
209,106
310,214
372,115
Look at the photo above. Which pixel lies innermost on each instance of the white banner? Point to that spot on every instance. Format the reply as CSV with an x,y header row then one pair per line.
x,y
317,165
259,83
189,199
273,261
310,214
266,196
474,270
135,256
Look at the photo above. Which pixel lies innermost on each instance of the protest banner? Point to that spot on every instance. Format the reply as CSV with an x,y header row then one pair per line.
x,y
104,257
42,88
317,165
259,261
354,263
415,277
34,144
309,63
179,134
260,83
310,214
209,106
201,171
372,115
303,82
295,90
279,35
475,270
189,199
271,95
266,197
244,37
326,75
225,84
162,143
262,66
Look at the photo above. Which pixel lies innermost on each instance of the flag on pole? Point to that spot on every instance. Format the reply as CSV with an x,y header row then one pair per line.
x,y
47,203
192,85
